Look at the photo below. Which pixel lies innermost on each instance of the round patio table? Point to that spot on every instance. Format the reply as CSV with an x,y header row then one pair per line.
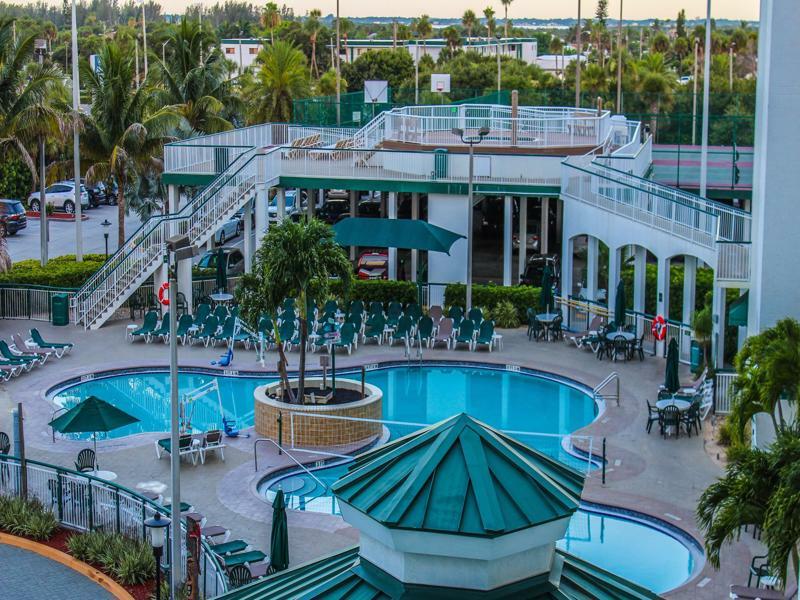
x,y
547,319
221,297
681,405
626,335
107,475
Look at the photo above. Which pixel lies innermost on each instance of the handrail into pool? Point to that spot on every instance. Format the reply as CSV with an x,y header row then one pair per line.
x,y
282,449
612,377
86,503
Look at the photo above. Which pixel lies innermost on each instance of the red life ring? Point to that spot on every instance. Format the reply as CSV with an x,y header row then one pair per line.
x,y
659,328
163,296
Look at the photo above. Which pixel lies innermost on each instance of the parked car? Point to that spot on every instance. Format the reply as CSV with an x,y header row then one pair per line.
x,y
373,265
60,196
292,206
369,207
230,229
12,217
531,238
334,211
338,194
535,268
233,256
100,193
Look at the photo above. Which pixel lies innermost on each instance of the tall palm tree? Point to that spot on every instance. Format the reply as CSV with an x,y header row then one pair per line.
x,y
270,19
124,132
595,79
468,20
312,24
423,28
452,37
655,85
506,4
488,14
28,96
281,78
557,47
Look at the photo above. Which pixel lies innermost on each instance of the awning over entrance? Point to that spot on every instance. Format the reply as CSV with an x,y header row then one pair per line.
x,y
409,234
737,311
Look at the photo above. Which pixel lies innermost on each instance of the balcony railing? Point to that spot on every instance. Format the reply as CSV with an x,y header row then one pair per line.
x,y
733,261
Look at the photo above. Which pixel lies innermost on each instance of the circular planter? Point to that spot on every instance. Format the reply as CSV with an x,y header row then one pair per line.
x,y
320,425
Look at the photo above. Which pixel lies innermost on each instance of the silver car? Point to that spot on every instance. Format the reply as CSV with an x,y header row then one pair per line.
x,y
61,196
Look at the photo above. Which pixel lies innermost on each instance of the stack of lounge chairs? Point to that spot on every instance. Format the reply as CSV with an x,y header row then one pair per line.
x,y
22,354
194,447
206,327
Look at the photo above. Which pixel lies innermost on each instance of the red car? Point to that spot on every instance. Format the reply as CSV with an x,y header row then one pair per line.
x,y
373,265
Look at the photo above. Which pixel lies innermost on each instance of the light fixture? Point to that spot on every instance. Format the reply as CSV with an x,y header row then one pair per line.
x,y
157,526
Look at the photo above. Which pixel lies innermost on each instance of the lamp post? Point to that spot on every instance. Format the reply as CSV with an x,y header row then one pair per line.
x,y
619,60
706,94
472,140
157,526
730,65
694,91
499,73
578,44
76,147
41,50
106,224
338,70
144,41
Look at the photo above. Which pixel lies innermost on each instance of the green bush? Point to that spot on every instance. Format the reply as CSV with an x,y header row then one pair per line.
x,y
15,178
128,561
62,271
521,297
380,290
27,518
505,315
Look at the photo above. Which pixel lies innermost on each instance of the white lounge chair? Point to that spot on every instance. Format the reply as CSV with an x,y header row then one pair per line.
x,y
212,442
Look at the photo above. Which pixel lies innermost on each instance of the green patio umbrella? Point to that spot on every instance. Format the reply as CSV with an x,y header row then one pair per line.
x,y
671,381
222,271
620,305
279,536
546,299
93,415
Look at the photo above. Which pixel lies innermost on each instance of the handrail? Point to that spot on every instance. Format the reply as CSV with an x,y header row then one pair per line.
x,y
612,377
285,451
52,418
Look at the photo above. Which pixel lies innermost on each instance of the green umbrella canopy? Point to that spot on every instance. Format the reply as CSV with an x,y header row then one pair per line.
x,y
671,381
222,271
546,298
279,536
394,233
92,415
620,304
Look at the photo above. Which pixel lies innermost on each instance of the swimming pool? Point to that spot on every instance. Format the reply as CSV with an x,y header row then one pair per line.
x,y
519,401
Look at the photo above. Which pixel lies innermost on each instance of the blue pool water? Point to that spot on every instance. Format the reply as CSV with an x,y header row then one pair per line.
x,y
413,397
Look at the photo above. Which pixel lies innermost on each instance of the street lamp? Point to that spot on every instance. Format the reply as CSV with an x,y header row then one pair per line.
x,y
106,224
76,147
144,41
472,140
157,526
730,65
40,49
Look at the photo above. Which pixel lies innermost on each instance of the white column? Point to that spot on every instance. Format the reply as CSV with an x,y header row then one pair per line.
x,y
566,270
185,266
248,236
262,223
592,256
544,238
613,278
508,224
662,297
282,203
353,213
162,273
392,209
718,329
523,234
639,278
414,253
310,201
689,282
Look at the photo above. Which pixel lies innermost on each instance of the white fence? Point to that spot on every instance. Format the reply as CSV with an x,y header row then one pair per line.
x,y
733,261
723,391
85,503
28,302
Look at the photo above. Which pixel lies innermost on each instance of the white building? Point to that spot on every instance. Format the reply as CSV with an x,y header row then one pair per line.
x,y
556,63
242,51
522,48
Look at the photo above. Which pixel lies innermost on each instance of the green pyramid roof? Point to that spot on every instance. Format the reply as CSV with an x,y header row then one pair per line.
x,y
460,476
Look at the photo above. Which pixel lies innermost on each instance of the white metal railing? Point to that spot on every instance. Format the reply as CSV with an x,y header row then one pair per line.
x,y
85,503
28,302
611,379
723,391
733,260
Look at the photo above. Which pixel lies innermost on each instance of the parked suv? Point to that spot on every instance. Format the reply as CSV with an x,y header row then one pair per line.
x,y
12,217
100,193
60,196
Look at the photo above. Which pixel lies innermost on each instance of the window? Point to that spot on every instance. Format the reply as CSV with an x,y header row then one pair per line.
x,y
230,50
253,50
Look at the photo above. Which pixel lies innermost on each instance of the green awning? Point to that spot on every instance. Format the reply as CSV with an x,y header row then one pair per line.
x,y
409,234
737,311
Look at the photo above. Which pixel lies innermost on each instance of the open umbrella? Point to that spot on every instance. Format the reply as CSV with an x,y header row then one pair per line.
x,y
546,297
279,536
619,305
93,415
671,381
222,271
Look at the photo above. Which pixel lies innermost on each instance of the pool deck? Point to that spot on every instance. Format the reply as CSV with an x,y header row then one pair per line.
x,y
661,478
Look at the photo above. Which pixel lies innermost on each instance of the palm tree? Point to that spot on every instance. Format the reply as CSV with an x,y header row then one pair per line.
x,y
595,79
5,257
28,96
488,14
423,28
298,260
270,19
123,133
312,23
505,4
759,488
468,20
655,85
281,78
452,37
557,47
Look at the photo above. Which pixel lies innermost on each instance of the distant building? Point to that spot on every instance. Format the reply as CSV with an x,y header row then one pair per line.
x,y
555,63
242,51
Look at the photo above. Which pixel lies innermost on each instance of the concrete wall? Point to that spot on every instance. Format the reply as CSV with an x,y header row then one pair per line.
x,y
451,213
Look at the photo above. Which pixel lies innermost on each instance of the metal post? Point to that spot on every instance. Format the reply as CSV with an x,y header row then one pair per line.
x,y
76,148
694,96
730,66
280,434
363,380
174,456
144,41
42,204
706,93
604,461
416,73
578,60
498,71
619,60
469,227
338,70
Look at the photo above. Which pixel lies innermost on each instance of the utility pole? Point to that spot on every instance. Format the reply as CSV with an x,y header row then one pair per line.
x,y
706,94
619,61
730,66
338,69
76,148
499,79
694,91
144,41
43,233
578,60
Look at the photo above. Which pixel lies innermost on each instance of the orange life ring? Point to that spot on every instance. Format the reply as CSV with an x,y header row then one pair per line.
x,y
659,328
163,296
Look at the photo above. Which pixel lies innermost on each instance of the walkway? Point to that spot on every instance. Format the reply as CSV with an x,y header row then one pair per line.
x,y
26,575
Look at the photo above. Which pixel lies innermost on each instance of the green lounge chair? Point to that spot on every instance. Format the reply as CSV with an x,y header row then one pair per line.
x,y
476,316
231,547
374,329
465,332
288,305
185,447
185,323
147,328
242,558
324,319
207,332
331,307
226,333
267,327
375,308
402,331
243,335
456,313
414,311
203,310
221,312
486,335
357,306
347,336
357,320
15,359
234,312
163,330
289,335
425,331
37,339
393,314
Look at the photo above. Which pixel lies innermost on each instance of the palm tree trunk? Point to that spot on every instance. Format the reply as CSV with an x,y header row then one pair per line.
x,y
301,381
505,26
120,212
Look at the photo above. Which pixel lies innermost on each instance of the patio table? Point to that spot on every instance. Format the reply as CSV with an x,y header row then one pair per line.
x,y
547,319
681,405
106,475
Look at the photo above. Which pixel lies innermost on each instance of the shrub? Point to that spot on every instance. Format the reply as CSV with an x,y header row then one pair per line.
x,y
505,315
27,518
129,561
380,290
521,297
61,272
15,178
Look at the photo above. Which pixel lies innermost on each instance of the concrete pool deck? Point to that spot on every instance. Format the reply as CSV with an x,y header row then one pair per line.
x,y
661,478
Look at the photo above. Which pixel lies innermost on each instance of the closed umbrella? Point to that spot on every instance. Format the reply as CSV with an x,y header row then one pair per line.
x,y
222,271
546,297
93,415
671,381
620,305
279,537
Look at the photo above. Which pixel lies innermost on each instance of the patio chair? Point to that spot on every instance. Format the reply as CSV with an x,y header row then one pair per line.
x,y
619,348
241,334
357,307
485,335
260,570
637,348
148,327
690,418
414,311
347,336
201,314
226,333
37,339
556,328
185,323
402,331
393,314
740,592
232,547
424,331
163,330
476,316
331,306
242,558
444,333
670,417
760,569
18,359
185,447
221,312
357,319
375,308
324,319
436,313
653,416
466,331
21,347
374,329
5,443
239,576
455,312
9,371
212,442
86,461
289,335
207,332
707,401
288,304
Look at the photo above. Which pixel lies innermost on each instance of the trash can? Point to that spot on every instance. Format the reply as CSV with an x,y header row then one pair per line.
x,y
440,163
695,356
60,309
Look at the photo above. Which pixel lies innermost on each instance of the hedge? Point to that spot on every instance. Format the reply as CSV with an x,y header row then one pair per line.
x,y
62,271
489,296
379,290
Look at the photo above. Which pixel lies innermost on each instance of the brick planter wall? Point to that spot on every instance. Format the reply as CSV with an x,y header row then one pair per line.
x,y
311,432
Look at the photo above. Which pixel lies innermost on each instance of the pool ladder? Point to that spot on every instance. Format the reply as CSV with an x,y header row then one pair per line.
x,y
286,452
407,351
611,378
